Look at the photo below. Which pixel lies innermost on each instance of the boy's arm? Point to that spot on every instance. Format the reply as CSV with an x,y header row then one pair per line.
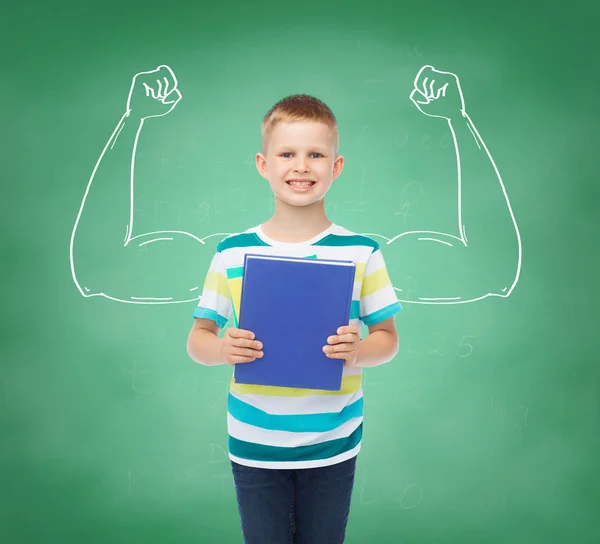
x,y
380,346
211,315
203,344
378,306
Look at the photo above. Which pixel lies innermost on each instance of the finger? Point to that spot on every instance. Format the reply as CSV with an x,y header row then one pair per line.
x,y
159,93
431,88
246,343
166,85
348,329
246,352
442,91
338,355
239,359
241,333
424,86
343,338
424,69
169,72
338,348
149,90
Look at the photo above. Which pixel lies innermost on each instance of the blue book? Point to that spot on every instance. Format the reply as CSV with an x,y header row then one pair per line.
x,y
292,305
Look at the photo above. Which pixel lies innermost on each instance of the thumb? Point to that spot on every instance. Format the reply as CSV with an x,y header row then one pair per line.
x,y
419,98
172,97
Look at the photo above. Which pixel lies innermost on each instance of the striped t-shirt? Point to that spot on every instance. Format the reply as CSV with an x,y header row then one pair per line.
x,y
286,427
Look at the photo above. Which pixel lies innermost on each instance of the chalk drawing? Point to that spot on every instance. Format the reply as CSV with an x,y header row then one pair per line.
x,y
214,448
463,344
134,372
435,94
411,497
366,498
131,480
438,345
445,100
185,479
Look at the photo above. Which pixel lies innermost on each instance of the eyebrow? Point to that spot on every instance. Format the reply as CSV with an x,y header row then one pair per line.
x,y
281,148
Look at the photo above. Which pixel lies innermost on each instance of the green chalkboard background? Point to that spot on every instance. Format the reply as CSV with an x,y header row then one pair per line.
x,y
484,428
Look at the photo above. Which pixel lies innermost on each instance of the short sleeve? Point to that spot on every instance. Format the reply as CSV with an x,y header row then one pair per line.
x,y
378,299
215,302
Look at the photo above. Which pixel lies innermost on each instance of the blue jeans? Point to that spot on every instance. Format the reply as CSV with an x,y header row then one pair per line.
x,y
300,506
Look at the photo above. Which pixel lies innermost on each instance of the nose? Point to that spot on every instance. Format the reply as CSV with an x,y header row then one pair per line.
x,y
300,165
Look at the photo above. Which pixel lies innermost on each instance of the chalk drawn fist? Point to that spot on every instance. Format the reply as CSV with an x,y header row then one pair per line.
x,y
438,94
153,93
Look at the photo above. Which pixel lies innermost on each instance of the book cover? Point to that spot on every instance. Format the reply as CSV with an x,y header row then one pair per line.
x,y
292,305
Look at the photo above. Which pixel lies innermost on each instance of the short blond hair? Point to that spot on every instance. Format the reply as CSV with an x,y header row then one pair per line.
x,y
298,107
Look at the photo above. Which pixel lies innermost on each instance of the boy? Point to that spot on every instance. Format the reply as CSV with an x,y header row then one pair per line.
x,y
293,451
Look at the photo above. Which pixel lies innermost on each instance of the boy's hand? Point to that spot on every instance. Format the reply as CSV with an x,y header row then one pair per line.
x,y
239,346
345,346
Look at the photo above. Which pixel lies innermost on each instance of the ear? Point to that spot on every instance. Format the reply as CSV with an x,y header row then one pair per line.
x,y
338,166
261,166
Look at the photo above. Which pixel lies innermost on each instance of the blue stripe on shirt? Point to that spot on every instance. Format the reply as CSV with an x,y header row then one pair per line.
x,y
382,314
207,313
311,452
295,423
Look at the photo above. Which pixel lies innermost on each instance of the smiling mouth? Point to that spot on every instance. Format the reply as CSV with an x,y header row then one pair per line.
x,y
300,183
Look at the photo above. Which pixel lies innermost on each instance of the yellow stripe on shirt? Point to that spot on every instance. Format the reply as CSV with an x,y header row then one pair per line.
x,y
216,282
235,287
350,385
360,272
375,281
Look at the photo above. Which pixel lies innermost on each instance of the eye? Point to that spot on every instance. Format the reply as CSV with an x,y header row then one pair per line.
x,y
288,153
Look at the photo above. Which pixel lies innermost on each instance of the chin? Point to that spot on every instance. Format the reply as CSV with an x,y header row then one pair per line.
x,y
299,202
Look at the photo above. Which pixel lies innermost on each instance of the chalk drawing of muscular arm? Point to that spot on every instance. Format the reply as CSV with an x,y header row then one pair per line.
x,y
483,258
108,259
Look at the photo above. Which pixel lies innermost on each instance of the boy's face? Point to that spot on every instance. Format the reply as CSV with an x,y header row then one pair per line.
x,y
303,150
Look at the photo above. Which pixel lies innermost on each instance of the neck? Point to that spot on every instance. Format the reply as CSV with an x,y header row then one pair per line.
x,y
296,223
